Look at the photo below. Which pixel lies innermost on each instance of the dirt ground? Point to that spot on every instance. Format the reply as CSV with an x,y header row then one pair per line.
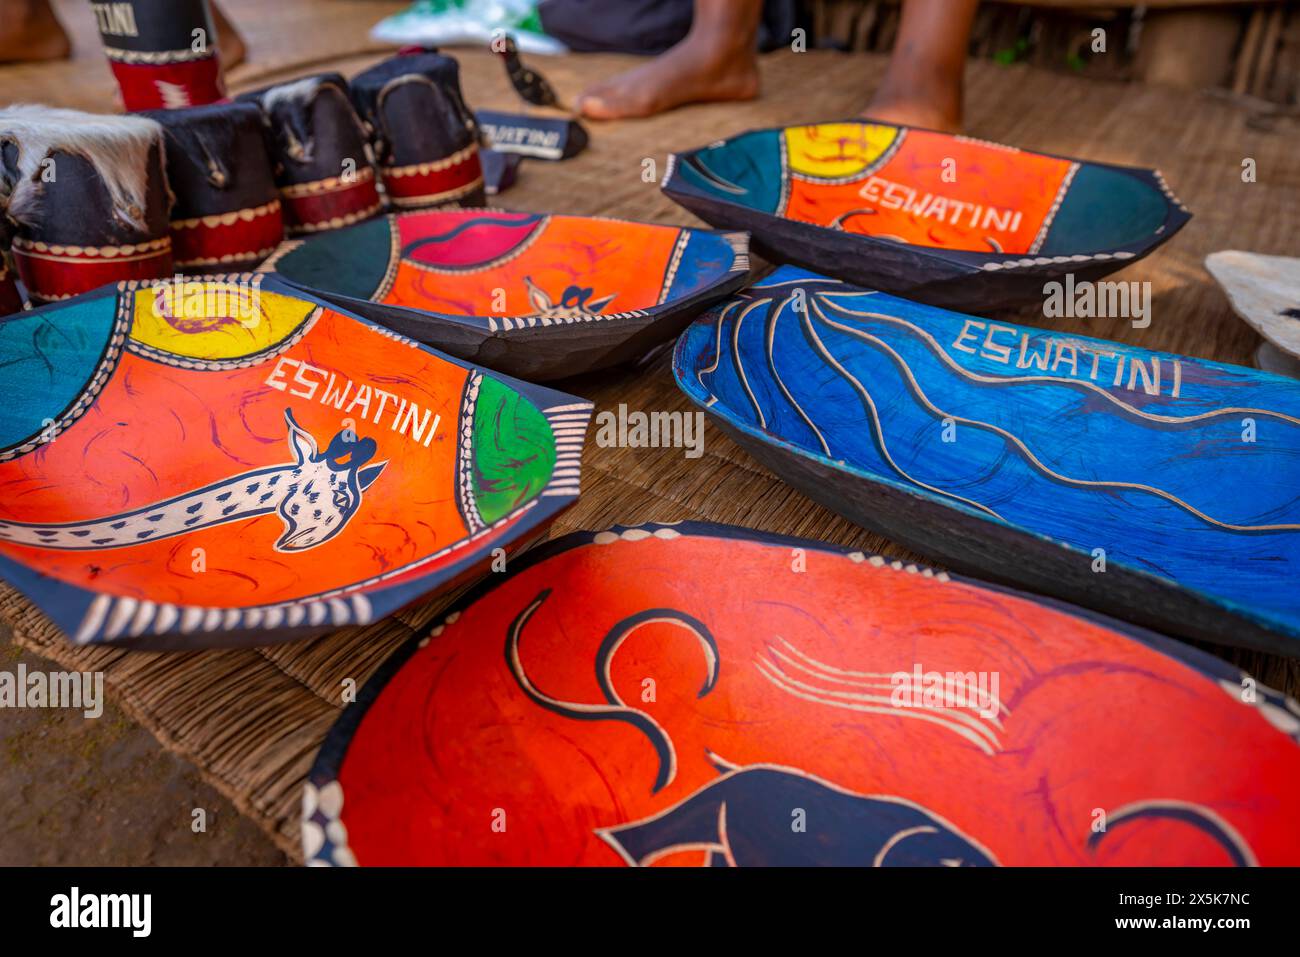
x,y
78,791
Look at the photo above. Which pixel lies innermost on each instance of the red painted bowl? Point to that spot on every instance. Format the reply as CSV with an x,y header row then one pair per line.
x,y
707,695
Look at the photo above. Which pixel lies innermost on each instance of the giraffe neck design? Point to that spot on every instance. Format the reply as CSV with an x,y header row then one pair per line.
x,y
315,496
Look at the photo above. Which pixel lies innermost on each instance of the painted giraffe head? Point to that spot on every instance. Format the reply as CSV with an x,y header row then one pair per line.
x,y
325,487
572,305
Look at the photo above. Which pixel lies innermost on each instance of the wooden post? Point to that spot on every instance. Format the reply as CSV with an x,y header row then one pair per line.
x,y
1188,49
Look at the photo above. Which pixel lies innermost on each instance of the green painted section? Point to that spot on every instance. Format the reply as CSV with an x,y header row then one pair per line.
x,y
351,261
1105,209
514,450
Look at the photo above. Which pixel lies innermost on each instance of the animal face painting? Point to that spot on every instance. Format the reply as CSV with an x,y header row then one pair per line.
x,y
576,303
730,821
315,496
324,489
616,701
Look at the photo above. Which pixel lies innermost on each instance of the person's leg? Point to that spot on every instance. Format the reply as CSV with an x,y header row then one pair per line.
x,y
922,85
31,31
718,60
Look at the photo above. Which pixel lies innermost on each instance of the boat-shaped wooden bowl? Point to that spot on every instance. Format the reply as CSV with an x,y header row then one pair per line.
x,y
1159,488
942,219
1265,292
535,296
617,701
230,461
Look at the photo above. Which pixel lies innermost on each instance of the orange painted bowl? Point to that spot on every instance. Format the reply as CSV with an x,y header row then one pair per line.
x,y
535,296
231,461
710,695
945,220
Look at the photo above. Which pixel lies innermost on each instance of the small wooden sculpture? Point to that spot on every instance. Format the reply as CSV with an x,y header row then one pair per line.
x,y
556,136
1265,291
529,84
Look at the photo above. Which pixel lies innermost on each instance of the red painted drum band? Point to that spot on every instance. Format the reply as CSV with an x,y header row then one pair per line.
x,y
55,272
439,181
168,86
242,238
330,203
163,53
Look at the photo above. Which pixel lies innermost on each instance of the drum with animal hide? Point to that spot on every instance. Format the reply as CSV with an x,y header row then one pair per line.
x,y
323,163
87,196
163,53
425,137
226,216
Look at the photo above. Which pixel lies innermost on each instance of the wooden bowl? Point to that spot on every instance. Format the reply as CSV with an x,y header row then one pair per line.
x,y
708,695
1155,487
535,296
230,461
942,219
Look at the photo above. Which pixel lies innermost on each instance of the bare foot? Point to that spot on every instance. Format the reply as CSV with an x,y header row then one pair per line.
x,y
230,45
694,71
32,32
923,82
914,112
